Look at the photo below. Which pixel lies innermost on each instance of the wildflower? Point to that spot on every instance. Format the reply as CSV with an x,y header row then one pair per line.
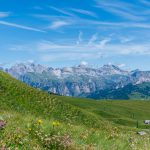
x,y
29,129
39,121
56,123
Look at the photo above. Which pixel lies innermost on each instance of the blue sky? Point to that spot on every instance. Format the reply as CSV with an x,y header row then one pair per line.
x,y
67,32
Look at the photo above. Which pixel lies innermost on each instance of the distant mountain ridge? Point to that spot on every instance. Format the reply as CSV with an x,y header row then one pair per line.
x,y
78,80
139,91
22,68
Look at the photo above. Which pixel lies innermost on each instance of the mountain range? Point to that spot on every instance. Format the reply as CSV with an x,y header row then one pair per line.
x,y
82,80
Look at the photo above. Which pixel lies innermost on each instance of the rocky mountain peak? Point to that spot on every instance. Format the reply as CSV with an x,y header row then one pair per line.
x,y
82,69
23,68
110,69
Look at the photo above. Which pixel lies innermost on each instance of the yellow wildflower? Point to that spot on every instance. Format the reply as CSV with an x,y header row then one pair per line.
x,y
39,121
29,129
56,123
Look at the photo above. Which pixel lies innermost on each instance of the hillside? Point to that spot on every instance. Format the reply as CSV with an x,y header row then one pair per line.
x,y
17,96
139,91
120,112
36,120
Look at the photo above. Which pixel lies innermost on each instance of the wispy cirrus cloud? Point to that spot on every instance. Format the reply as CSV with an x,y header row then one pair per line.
x,y
93,39
99,48
20,26
62,11
59,24
4,14
78,22
122,9
104,42
46,46
80,38
104,46
124,14
84,12
121,65
120,24
96,51
126,39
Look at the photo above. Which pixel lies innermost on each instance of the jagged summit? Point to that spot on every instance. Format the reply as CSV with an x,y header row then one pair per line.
x,y
23,68
112,69
83,68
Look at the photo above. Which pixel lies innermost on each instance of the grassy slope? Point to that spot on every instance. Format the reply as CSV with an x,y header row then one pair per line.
x,y
121,112
86,122
17,96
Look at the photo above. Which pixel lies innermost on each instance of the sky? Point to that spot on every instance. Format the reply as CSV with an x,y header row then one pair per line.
x,y
60,33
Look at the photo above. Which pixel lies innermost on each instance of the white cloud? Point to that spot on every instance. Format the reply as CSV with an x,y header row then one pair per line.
x,y
104,42
58,24
93,39
124,14
103,48
77,22
62,11
121,65
121,24
45,46
84,12
125,39
79,38
130,49
30,61
122,9
20,26
83,63
4,14
97,49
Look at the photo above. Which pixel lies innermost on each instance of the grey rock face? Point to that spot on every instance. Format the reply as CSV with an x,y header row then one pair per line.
x,y
21,69
76,81
140,76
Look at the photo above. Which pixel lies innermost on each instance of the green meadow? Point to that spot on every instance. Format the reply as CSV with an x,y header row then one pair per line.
x,y
36,120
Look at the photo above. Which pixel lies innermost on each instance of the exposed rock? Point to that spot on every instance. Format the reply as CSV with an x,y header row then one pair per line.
x,y
78,80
